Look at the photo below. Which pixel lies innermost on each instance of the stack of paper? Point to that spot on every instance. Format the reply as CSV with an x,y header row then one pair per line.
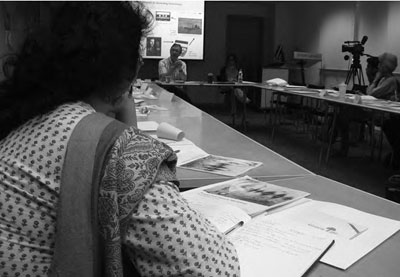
x,y
263,243
294,234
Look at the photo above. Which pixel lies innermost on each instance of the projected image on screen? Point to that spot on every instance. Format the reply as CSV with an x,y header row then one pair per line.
x,y
163,16
179,22
153,46
189,26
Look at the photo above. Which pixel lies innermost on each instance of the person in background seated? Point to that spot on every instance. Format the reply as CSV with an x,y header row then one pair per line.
x,y
172,69
347,115
372,68
384,85
83,69
229,73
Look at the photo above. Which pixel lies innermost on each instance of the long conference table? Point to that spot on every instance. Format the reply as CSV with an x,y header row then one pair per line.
x,y
336,102
217,138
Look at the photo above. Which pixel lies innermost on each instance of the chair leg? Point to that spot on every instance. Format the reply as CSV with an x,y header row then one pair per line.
x,y
331,133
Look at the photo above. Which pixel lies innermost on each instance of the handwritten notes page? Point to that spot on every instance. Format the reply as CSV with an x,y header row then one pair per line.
x,y
268,247
355,232
224,217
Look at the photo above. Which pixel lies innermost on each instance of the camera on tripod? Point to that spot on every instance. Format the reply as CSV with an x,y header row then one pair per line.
x,y
356,48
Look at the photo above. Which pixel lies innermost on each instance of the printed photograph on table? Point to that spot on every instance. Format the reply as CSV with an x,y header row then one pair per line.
x,y
221,165
252,190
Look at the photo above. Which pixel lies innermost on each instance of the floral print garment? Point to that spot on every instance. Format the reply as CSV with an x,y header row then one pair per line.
x,y
31,159
140,208
163,234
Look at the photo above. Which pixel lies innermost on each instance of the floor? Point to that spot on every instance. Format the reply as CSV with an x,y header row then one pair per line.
x,y
358,169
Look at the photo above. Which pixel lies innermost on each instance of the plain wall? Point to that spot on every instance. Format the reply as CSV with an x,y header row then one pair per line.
x,y
322,27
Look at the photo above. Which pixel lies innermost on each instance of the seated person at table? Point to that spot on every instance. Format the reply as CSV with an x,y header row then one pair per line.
x,y
372,68
370,71
173,69
229,73
80,70
385,86
382,85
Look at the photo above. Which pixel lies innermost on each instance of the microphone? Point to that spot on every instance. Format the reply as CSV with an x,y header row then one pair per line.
x,y
364,40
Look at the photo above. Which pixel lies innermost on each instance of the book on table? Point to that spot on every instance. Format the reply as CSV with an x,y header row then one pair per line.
x,y
273,226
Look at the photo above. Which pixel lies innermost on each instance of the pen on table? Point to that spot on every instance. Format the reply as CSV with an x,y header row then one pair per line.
x,y
236,226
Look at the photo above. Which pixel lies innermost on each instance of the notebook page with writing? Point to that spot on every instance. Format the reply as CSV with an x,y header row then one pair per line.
x,y
268,247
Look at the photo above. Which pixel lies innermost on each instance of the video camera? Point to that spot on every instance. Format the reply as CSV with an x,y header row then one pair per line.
x,y
356,48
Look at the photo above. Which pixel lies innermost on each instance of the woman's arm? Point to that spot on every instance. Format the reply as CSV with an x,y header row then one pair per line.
x,y
163,235
166,237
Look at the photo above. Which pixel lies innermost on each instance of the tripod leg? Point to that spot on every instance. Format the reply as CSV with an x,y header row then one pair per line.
x,y
349,75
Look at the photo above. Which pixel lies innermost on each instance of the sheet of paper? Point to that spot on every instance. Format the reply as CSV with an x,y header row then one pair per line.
x,y
355,232
222,165
305,91
268,247
367,97
223,217
147,126
156,108
138,101
166,96
295,87
277,82
185,149
188,153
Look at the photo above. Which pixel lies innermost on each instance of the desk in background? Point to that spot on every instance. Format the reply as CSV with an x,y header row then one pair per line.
x,y
243,85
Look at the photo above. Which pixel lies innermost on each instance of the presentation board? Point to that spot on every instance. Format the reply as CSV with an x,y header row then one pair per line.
x,y
175,22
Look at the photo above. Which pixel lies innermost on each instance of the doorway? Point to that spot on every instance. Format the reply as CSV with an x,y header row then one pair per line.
x,y
244,37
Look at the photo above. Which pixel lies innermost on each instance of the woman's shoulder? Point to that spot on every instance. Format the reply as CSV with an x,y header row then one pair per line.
x,y
133,140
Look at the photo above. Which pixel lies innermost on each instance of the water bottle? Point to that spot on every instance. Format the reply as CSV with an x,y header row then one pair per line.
x,y
240,76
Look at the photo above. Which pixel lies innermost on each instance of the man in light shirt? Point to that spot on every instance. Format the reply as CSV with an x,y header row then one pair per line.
x,y
172,69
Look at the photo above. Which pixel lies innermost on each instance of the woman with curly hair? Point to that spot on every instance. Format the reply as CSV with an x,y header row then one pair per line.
x,y
82,191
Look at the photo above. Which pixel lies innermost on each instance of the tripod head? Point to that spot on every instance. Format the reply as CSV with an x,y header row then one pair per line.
x,y
356,48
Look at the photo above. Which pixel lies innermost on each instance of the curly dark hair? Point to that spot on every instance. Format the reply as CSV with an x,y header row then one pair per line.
x,y
90,48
